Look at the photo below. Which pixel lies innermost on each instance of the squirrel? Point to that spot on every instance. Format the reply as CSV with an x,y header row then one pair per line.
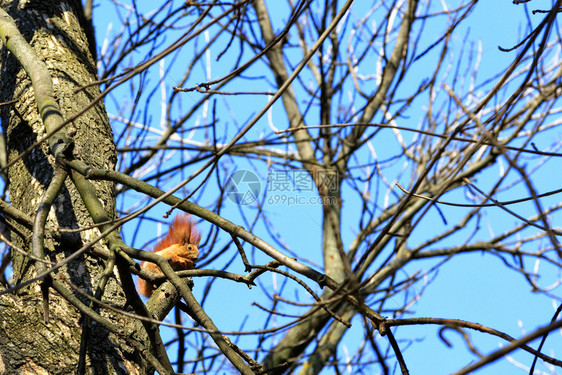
x,y
179,246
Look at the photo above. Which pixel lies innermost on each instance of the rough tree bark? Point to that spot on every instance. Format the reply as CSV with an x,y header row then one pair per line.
x,y
28,344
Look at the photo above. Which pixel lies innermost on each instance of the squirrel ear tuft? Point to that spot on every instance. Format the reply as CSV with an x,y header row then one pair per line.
x,y
183,230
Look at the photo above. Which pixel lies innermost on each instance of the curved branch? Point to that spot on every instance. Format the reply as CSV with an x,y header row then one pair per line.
x,y
40,78
38,238
479,327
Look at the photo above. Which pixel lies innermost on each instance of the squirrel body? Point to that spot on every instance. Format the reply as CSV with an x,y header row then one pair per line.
x,y
179,246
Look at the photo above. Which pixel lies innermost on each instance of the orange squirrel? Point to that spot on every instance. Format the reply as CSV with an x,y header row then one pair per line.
x,y
179,246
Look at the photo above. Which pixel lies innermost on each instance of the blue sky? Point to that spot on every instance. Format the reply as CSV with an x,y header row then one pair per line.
x,y
474,287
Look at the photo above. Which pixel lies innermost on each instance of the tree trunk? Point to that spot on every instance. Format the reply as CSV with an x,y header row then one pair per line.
x,y
27,343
